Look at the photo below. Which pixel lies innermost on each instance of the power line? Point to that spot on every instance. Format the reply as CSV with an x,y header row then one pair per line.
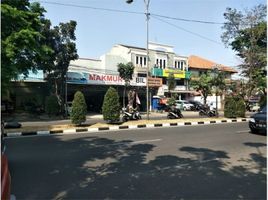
x,y
130,12
90,7
187,20
193,33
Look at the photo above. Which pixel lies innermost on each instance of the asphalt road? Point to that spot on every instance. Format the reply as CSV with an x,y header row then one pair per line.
x,y
220,161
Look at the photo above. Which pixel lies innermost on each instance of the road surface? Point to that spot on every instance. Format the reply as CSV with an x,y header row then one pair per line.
x,y
219,161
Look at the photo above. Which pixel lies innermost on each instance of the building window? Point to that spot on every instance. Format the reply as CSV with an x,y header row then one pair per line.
x,y
144,61
157,62
141,61
180,82
181,65
160,63
164,63
137,60
164,81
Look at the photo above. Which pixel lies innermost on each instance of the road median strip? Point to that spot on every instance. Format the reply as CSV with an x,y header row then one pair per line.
x,y
122,127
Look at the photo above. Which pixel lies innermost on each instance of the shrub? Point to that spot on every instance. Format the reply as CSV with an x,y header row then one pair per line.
x,y
111,106
79,109
229,105
240,107
234,107
52,106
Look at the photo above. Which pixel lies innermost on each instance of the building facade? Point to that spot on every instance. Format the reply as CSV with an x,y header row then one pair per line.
x,y
94,76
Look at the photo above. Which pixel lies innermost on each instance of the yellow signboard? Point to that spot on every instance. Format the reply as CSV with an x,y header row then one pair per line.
x,y
177,73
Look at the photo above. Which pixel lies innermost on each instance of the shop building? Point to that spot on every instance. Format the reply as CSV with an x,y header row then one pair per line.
x,y
94,76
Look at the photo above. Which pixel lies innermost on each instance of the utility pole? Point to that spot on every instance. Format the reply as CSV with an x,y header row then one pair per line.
x,y
147,14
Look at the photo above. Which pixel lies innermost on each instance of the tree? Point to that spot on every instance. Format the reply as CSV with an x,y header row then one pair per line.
x,y
203,85
218,81
171,82
22,41
62,42
246,33
79,109
126,73
52,107
111,106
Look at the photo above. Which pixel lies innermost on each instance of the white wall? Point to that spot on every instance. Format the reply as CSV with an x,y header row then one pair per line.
x,y
210,99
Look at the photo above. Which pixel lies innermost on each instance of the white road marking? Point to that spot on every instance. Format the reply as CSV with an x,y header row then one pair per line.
x,y
144,141
244,131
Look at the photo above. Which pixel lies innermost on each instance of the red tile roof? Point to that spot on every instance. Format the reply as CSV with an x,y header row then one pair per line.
x,y
201,63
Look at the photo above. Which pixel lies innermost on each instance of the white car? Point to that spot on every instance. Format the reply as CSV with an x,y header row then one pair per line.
x,y
183,104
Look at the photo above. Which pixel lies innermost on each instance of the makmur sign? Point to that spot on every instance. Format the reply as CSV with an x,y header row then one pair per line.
x,y
101,79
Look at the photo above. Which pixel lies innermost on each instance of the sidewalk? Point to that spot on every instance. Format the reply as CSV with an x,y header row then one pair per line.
x,y
96,123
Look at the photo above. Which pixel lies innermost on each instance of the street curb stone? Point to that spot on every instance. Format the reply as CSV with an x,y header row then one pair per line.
x,y
122,127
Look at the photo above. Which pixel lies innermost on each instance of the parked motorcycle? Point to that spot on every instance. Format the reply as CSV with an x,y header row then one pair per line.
x,y
127,115
207,112
174,113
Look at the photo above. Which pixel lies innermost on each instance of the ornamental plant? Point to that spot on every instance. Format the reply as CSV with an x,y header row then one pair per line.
x,y
111,106
79,109
234,107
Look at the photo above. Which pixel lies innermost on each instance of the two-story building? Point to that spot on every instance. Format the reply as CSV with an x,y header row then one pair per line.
x,y
162,61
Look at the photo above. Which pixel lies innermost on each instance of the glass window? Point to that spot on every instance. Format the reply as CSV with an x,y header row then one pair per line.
x,y
180,82
161,63
141,61
144,61
137,60
164,64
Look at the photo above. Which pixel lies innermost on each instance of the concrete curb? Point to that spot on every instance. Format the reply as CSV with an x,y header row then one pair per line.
x,y
122,127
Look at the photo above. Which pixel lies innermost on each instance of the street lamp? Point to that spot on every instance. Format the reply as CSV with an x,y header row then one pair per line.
x,y
147,14
216,76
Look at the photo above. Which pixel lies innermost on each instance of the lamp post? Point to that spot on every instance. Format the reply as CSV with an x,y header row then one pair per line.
x,y
216,76
147,14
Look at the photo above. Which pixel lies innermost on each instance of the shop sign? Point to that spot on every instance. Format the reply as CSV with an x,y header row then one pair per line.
x,y
154,82
177,73
102,79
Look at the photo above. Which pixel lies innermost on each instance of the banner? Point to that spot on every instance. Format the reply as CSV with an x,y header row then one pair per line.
x,y
102,79
177,73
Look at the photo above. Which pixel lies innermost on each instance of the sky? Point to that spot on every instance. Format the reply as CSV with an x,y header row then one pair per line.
x,y
98,30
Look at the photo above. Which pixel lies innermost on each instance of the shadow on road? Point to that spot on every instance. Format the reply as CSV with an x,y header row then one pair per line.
x,y
100,168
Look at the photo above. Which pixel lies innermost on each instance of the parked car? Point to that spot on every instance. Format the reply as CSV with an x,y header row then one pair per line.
x,y
197,105
258,121
183,104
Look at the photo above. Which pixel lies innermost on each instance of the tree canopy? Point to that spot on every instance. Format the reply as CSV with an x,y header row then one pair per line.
x,y
22,42
246,33
29,43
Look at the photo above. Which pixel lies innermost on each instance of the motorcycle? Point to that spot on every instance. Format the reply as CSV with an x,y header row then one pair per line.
x,y
174,114
134,115
207,112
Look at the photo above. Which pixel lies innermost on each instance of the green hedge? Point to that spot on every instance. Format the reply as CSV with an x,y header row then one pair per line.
x,y
111,106
234,107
